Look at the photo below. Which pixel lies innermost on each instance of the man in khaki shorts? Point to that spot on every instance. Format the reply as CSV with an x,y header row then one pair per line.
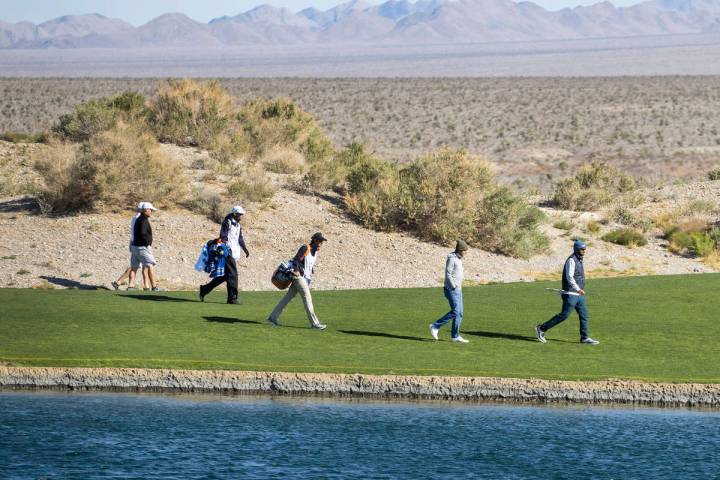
x,y
303,265
141,253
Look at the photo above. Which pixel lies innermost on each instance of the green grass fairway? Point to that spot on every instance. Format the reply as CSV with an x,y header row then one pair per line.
x,y
651,328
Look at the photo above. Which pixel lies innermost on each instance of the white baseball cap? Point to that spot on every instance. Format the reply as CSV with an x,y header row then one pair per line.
x,y
148,206
141,206
238,209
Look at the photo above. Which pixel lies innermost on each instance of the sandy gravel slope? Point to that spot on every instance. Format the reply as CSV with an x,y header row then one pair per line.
x,y
92,249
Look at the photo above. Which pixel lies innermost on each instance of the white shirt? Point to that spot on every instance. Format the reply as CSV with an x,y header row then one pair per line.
x,y
234,239
309,265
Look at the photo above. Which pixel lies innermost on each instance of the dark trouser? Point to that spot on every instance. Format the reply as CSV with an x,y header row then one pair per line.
x,y
570,303
231,277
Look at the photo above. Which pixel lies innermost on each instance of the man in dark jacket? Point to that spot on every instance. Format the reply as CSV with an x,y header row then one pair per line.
x,y
573,296
141,247
231,234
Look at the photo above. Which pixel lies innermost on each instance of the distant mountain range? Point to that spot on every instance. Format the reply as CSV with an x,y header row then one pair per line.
x,y
393,22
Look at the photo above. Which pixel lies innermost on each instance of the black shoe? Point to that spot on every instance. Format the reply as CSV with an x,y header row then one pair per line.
x,y
234,301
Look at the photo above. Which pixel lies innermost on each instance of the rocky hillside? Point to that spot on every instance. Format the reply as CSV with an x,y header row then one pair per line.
x,y
89,250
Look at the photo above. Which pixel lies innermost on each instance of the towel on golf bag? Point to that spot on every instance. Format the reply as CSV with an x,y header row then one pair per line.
x,y
212,258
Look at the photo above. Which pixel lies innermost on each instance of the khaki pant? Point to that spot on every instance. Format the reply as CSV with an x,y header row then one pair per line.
x,y
298,286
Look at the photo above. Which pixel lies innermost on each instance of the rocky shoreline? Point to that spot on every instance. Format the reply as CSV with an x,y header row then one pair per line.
x,y
365,386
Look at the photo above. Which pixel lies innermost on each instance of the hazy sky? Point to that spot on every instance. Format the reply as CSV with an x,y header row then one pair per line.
x,y
138,12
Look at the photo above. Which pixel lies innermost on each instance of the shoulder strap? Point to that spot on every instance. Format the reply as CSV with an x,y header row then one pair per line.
x,y
307,250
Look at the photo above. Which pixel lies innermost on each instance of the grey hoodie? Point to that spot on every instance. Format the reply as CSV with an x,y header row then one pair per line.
x,y
453,272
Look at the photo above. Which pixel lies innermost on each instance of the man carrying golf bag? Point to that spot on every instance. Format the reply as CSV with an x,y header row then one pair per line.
x,y
573,296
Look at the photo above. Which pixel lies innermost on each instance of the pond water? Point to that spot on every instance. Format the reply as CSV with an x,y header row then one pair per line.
x,y
66,435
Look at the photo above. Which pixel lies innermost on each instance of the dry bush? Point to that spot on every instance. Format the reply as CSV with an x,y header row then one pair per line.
x,y
439,194
442,197
507,223
283,160
626,236
95,116
113,169
188,112
252,185
279,122
593,186
56,166
209,204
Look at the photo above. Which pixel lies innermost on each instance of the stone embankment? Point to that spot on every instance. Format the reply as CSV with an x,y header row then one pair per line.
x,y
360,385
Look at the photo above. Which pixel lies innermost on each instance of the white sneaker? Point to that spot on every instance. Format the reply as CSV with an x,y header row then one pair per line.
x,y
589,341
273,322
434,331
540,334
319,326
459,339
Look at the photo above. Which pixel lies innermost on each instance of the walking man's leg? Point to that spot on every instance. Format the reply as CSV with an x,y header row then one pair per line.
x,y
567,308
581,308
448,316
231,277
292,291
457,309
208,287
304,291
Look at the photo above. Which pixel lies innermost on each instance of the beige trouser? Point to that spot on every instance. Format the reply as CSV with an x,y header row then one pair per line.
x,y
299,285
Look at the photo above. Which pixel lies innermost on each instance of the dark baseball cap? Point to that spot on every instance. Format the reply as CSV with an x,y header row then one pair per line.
x,y
317,236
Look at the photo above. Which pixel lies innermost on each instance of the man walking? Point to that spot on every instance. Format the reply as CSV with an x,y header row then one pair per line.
x,y
129,273
573,296
303,265
453,292
231,234
141,245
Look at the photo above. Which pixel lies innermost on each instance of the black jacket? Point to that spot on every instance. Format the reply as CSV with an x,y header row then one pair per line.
x,y
142,233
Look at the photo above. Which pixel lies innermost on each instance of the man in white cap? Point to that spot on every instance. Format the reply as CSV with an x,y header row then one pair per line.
x,y
129,273
141,245
231,234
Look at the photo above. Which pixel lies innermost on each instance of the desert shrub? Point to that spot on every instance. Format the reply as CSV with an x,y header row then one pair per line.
x,y
252,185
624,216
440,197
508,224
18,137
373,194
593,186
563,224
699,207
95,116
714,175
113,169
593,227
440,192
283,160
188,112
702,244
626,236
209,204
278,122
693,238
332,173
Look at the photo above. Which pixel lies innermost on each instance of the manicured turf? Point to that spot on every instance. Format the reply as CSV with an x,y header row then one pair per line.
x,y
652,328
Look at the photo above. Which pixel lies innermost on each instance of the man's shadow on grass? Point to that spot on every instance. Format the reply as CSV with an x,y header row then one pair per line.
x,y
158,298
67,283
510,336
230,320
383,334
